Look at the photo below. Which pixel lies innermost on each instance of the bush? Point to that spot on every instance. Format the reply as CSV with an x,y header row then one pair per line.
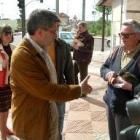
x,y
96,28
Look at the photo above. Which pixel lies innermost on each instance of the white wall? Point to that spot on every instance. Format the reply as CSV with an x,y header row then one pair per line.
x,y
116,22
133,7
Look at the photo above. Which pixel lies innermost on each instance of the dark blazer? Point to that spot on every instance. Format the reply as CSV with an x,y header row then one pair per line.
x,y
64,65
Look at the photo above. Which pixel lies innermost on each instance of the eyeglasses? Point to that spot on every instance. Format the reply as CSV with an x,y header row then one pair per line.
x,y
126,36
7,33
53,32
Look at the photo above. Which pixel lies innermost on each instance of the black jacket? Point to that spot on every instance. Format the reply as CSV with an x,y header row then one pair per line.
x,y
64,65
84,53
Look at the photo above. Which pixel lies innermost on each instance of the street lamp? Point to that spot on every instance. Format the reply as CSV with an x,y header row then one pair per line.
x,y
33,1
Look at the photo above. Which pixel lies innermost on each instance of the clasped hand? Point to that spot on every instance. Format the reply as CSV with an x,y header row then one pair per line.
x,y
113,78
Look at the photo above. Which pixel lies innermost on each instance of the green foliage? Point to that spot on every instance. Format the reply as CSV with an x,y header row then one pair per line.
x,y
96,28
108,10
19,24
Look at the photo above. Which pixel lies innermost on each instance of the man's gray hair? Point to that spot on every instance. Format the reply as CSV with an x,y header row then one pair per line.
x,y
134,24
82,23
41,18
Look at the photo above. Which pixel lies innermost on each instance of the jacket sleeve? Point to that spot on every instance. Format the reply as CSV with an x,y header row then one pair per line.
x,y
29,73
136,87
69,71
105,68
88,45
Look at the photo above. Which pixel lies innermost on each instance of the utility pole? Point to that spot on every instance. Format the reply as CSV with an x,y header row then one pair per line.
x,y
83,10
103,28
57,7
23,21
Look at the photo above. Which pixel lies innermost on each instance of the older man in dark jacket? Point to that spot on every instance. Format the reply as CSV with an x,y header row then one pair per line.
x,y
83,50
122,71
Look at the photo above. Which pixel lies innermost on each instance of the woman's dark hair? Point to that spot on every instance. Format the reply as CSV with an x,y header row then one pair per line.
x,y
4,29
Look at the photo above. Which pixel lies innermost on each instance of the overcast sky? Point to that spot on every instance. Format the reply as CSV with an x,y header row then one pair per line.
x,y
9,9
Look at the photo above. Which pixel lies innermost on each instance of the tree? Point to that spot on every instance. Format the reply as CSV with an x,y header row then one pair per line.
x,y
95,27
108,11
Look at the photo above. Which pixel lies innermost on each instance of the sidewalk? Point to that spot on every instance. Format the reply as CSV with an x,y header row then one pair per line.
x,y
85,118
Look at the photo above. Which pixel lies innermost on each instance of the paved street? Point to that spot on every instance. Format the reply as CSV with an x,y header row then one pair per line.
x,y
85,118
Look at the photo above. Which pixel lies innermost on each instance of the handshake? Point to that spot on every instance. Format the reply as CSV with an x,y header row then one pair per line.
x,y
85,87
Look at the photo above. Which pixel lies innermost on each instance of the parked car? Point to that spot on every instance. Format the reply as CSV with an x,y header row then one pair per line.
x,y
108,42
68,37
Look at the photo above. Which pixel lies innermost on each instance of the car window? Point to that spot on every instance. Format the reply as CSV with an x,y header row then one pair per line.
x,y
66,36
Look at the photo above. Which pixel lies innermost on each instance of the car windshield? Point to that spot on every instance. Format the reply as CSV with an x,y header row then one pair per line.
x,y
66,36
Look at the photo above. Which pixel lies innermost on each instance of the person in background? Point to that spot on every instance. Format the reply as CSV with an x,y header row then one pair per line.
x,y
122,71
6,39
59,52
34,81
83,50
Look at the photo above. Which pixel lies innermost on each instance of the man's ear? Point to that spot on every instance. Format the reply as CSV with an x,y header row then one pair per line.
x,y
39,33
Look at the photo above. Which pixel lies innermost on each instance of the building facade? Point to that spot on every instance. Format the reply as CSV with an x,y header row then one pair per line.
x,y
121,10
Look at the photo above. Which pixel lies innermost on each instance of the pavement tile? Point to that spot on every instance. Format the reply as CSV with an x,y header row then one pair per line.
x,y
79,115
78,136
79,106
86,117
96,108
95,101
79,126
100,136
99,126
98,116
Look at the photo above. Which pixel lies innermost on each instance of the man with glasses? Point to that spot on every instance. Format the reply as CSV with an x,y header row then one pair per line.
x,y
34,81
122,71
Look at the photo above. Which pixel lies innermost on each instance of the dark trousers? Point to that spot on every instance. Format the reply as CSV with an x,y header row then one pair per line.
x,y
116,123
82,68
